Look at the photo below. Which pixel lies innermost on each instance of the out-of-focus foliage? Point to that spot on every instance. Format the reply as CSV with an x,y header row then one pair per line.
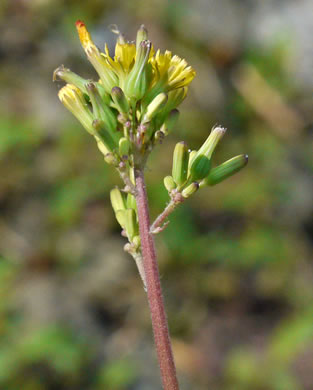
x,y
236,259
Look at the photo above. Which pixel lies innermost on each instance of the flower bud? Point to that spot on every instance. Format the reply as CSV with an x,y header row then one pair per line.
x,y
225,170
169,183
209,145
98,60
180,163
200,167
131,225
142,35
102,111
124,146
70,77
120,100
117,200
73,99
191,189
154,107
136,83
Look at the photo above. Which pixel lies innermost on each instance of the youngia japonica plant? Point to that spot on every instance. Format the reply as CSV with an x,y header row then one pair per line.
x,y
129,110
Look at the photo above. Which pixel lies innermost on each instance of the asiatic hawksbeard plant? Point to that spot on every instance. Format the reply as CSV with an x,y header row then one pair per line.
x,y
129,110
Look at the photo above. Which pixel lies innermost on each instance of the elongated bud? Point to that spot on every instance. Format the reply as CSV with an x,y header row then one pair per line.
x,y
120,100
73,99
70,77
117,200
191,189
124,146
209,145
200,167
169,183
101,110
99,62
225,170
136,83
131,202
180,163
131,225
142,35
154,107
104,134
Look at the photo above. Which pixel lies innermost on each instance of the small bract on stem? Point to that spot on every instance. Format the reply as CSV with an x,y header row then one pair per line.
x,y
129,110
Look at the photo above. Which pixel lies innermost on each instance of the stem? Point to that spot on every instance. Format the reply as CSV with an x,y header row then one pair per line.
x,y
159,224
154,292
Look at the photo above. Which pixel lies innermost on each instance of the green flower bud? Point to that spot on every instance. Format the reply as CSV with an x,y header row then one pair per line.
x,y
200,167
180,163
191,189
136,83
225,170
117,200
120,100
102,111
124,146
209,145
169,183
142,35
70,77
131,225
154,107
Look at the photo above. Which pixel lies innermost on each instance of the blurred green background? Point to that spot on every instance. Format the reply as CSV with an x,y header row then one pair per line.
x,y
236,259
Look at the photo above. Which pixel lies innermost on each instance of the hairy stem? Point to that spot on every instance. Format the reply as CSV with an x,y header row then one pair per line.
x,y
154,292
159,224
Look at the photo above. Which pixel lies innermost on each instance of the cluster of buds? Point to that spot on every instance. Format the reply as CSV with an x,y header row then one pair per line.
x,y
192,169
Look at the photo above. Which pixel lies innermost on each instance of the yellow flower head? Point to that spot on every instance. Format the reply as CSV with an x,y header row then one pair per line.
x,y
163,71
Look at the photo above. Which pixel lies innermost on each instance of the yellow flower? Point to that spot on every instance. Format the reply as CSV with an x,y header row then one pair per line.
x,y
165,72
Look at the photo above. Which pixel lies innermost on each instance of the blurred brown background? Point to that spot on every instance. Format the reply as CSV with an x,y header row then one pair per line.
x,y
236,260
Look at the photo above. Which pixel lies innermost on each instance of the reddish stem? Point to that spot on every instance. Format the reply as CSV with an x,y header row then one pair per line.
x,y
154,292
